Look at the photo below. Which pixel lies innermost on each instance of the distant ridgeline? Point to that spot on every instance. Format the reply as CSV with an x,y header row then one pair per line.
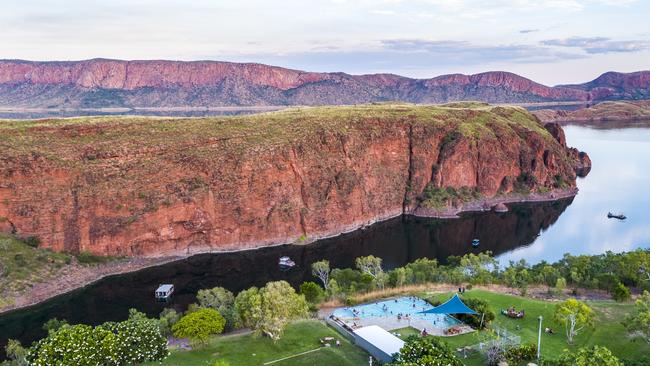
x,y
101,83
156,186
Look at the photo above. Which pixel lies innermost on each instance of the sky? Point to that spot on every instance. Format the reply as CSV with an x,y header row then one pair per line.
x,y
552,42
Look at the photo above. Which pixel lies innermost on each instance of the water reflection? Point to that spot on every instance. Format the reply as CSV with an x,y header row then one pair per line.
x,y
398,241
618,182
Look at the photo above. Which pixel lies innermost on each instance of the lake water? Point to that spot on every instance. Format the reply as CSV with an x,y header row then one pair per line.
x,y
618,182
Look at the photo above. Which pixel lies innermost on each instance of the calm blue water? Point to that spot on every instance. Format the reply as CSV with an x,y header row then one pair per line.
x,y
411,306
619,181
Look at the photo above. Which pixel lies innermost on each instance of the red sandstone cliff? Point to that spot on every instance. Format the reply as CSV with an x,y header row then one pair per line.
x,y
113,83
146,186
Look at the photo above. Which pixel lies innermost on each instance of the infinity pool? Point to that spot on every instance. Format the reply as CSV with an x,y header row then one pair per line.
x,y
406,309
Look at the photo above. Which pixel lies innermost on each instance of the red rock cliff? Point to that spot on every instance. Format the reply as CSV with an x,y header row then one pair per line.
x,y
145,186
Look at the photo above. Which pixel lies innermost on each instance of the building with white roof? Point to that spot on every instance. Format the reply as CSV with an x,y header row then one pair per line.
x,y
378,342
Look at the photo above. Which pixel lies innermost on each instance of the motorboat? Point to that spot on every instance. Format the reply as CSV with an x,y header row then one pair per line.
x,y
616,216
164,292
286,263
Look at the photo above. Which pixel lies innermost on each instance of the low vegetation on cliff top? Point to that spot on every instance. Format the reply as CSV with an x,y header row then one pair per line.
x,y
105,137
22,265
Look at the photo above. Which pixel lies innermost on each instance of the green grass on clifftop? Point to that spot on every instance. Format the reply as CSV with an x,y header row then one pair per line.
x,y
59,140
22,265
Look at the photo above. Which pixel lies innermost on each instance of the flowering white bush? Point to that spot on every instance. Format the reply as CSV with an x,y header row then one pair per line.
x,y
111,344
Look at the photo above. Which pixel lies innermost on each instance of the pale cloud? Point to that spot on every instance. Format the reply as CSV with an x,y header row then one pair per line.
x,y
594,45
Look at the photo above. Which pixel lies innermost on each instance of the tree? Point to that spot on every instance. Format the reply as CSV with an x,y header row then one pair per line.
x,y
397,277
621,293
370,265
248,305
321,269
168,317
477,268
313,293
221,300
516,275
548,274
425,351
484,315
280,305
594,356
269,309
639,321
199,325
560,286
16,352
575,316
53,325
334,289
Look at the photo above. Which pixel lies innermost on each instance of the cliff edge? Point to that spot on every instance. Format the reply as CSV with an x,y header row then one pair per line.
x,y
160,186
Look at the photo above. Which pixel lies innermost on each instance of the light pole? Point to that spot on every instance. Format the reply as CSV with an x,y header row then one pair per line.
x,y
539,337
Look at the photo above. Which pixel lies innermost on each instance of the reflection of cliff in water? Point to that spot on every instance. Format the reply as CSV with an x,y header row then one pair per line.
x,y
397,241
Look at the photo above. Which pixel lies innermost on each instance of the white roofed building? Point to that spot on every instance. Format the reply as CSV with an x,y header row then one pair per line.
x,y
378,342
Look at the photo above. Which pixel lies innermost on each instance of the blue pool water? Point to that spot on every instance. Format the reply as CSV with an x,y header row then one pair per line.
x,y
411,306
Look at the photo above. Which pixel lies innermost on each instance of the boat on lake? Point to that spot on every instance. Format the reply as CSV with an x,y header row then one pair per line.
x,y
286,263
616,216
164,292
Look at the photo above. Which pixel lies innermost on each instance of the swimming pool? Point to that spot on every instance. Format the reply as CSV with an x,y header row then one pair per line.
x,y
404,309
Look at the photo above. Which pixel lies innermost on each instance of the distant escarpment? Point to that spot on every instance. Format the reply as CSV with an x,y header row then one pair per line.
x,y
605,111
101,83
160,186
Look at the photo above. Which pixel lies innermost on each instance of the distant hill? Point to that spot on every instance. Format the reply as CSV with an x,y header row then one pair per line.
x,y
616,85
102,83
605,111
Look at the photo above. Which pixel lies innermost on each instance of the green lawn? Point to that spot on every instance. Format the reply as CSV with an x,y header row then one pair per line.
x,y
248,350
608,330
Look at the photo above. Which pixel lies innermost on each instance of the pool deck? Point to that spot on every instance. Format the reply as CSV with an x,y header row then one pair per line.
x,y
391,323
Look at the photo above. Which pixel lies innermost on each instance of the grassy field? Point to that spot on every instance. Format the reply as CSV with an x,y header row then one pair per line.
x,y
22,265
247,350
608,330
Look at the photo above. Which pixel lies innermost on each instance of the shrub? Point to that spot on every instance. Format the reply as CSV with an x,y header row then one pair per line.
x,y
482,308
168,317
199,325
125,343
314,294
621,293
524,352
594,356
89,258
425,351
33,241
53,325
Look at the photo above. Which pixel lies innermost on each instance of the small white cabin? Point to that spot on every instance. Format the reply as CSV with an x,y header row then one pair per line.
x,y
164,291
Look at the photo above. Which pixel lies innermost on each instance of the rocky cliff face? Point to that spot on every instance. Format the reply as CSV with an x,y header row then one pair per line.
x,y
102,83
150,186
